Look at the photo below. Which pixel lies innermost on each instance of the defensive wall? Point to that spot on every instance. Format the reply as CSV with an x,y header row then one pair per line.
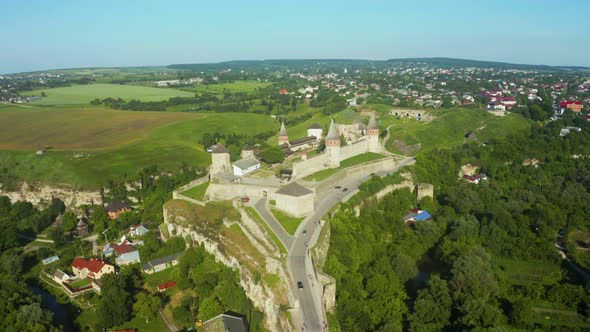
x,y
176,194
227,191
380,165
318,163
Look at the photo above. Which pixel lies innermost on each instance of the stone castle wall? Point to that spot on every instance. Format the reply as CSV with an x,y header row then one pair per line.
x,y
305,167
380,165
227,191
349,151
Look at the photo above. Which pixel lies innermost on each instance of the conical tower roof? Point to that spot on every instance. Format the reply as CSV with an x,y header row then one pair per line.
x,y
372,123
219,148
332,132
283,131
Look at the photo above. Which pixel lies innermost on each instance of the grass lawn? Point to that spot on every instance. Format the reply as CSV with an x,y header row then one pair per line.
x,y
80,283
197,192
254,214
448,129
362,158
83,94
288,222
237,86
526,272
169,140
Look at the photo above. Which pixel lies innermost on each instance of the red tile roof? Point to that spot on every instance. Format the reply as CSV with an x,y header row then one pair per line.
x,y
93,264
166,285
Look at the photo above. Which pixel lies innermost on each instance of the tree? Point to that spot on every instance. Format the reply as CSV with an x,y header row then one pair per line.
x,y
432,308
69,222
115,303
147,305
272,155
405,267
209,308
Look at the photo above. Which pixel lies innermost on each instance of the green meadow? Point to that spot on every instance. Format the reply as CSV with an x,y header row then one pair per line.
x,y
93,160
83,94
237,86
448,129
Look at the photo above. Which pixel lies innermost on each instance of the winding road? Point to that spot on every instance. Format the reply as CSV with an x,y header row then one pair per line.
x,y
311,315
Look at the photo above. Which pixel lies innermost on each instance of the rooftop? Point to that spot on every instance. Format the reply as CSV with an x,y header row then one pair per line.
x,y
294,189
219,148
246,163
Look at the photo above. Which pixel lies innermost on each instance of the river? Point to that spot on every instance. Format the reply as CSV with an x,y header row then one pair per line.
x,y
60,312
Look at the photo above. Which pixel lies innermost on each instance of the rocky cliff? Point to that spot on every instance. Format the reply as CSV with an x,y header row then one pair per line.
x,y
41,194
250,251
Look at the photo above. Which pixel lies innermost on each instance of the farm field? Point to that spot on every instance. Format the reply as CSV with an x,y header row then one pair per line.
x,y
238,86
169,145
69,128
83,94
448,129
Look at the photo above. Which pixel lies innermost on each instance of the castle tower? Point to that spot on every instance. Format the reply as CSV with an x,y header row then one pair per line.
x,y
333,146
373,133
220,160
283,136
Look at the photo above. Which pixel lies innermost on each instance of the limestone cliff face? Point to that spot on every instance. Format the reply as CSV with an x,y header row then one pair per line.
x,y
41,194
319,254
267,298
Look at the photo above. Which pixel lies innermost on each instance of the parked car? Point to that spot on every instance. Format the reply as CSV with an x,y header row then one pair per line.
x,y
300,285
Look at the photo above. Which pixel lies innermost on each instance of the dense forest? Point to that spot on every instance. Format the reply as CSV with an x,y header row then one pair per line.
x,y
488,259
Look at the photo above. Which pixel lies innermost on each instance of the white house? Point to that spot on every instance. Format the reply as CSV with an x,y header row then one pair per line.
x,y
245,166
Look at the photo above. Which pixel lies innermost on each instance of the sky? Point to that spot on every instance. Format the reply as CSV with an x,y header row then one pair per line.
x,y
41,35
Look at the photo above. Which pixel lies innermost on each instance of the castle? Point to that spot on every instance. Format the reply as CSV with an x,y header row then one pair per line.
x,y
293,198
366,139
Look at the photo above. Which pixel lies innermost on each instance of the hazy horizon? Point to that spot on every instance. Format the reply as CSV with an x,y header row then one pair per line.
x,y
61,34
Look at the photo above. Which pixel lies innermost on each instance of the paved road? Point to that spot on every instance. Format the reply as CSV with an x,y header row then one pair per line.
x,y
299,261
273,223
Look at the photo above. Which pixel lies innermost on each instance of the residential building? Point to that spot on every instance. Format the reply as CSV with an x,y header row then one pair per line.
x,y
115,208
162,263
91,268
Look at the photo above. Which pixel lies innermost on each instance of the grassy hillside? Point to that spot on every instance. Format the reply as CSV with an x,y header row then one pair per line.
x,y
448,129
83,94
238,86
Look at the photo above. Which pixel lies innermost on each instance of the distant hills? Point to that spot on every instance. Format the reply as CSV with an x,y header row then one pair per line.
x,y
352,63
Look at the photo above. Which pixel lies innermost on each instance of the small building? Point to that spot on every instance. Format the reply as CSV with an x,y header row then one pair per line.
x,y
50,259
417,215
244,166
162,263
315,130
60,276
225,322
125,251
137,230
283,91
115,208
92,268
294,199
574,105
248,151
163,287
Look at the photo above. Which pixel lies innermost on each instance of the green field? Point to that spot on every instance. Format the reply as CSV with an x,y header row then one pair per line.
x,y
238,86
169,143
448,129
288,222
83,94
197,192
362,158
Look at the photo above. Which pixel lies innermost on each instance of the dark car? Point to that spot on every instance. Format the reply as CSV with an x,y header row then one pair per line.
x,y
304,231
345,189
337,187
300,285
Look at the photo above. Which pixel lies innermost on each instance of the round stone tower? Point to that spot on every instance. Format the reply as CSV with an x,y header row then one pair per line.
x,y
220,162
333,146
373,134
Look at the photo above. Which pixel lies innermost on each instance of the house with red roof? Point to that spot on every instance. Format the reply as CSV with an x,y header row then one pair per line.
x,y
125,251
574,105
92,268
163,287
283,91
